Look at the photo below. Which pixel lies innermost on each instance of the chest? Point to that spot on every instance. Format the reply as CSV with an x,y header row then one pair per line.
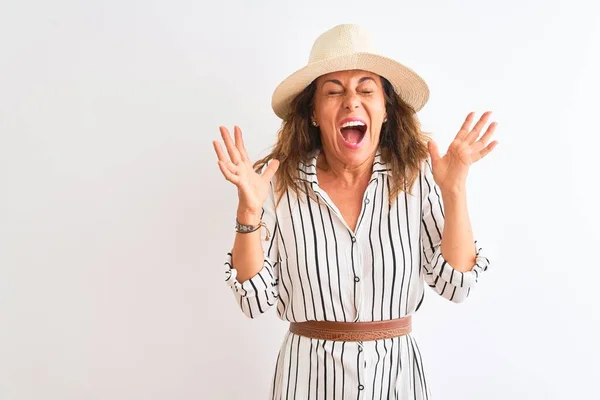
x,y
339,235
348,200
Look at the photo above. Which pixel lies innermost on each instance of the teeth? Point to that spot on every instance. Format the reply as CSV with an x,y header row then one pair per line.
x,y
353,123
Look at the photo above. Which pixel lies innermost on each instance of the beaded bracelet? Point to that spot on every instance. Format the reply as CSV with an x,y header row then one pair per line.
x,y
241,228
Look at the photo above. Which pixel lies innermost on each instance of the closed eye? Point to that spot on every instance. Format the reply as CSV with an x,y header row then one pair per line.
x,y
331,92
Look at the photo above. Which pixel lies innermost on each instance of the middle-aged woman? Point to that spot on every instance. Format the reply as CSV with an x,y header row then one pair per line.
x,y
359,212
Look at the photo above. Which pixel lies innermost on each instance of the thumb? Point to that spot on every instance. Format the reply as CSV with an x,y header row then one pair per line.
x,y
271,169
433,151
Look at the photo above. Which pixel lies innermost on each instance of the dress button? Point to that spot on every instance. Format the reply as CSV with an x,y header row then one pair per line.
x,y
353,239
366,201
356,279
360,387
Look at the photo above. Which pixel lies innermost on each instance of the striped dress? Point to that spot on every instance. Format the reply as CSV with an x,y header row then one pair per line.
x,y
317,268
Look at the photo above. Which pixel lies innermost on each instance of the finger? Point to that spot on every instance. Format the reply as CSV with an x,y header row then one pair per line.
x,y
466,126
476,148
220,152
239,143
234,169
474,134
233,152
433,151
227,174
487,149
271,169
488,133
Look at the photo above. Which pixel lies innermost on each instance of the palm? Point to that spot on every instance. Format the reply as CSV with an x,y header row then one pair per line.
x,y
237,168
253,187
450,171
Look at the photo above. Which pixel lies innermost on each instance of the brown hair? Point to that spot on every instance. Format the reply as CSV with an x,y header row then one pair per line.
x,y
403,144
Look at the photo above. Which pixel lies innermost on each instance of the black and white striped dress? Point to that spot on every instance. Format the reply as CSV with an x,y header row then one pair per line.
x,y
317,268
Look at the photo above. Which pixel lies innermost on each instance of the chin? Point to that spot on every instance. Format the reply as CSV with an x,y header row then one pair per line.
x,y
358,155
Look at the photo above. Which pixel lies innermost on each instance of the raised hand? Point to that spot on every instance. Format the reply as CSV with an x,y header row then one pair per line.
x,y
450,171
253,187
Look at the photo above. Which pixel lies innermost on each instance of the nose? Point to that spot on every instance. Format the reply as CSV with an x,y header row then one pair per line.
x,y
351,101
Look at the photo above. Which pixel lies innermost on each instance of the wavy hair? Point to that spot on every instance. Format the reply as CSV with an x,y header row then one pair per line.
x,y
403,145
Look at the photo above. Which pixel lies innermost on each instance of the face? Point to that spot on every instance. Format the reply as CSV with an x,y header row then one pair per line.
x,y
349,110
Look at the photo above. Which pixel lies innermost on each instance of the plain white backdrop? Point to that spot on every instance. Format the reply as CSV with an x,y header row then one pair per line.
x,y
115,220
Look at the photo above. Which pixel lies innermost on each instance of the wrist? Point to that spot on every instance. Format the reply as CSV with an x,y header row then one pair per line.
x,y
455,190
454,193
245,217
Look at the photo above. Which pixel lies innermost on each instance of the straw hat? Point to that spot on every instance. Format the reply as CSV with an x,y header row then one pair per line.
x,y
346,47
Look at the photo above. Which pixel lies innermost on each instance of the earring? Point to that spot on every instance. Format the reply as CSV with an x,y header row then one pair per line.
x,y
384,120
314,123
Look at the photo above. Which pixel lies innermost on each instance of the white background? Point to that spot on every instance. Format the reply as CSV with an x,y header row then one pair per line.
x,y
115,220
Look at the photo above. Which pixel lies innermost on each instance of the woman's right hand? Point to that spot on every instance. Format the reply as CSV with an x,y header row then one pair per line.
x,y
253,188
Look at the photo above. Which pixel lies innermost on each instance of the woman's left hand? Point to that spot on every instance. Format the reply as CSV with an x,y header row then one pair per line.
x,y
450,171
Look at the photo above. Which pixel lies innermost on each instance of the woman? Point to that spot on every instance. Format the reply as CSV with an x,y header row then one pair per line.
x,y
354,201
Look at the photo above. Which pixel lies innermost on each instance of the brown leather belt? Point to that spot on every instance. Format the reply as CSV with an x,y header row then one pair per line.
x,y
353,331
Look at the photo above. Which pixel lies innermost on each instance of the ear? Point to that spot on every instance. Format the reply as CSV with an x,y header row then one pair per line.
x,y
313,119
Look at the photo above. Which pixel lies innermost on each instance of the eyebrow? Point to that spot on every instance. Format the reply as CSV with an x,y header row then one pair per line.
x,y
337,82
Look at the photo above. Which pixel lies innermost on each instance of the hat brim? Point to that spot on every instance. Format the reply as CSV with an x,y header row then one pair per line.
x,y
408,84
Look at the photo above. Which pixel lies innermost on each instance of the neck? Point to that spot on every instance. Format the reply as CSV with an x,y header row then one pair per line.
x,y
346,175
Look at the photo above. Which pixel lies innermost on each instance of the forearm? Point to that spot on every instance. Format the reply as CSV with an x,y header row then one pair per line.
x,y
247,255
457,239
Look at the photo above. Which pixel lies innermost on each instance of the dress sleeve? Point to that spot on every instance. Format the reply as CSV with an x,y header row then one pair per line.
x,y
438,273
259,293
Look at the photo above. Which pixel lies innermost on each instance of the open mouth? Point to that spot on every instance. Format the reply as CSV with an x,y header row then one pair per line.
x,y
353,132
